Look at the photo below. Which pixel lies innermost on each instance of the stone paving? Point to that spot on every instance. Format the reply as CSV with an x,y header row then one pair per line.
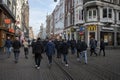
x,y
98,68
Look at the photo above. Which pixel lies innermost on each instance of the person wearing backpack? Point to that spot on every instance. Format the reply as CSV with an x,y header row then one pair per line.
x,y
38,50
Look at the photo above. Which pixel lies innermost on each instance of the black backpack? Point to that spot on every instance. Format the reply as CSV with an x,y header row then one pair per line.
x,y
38,48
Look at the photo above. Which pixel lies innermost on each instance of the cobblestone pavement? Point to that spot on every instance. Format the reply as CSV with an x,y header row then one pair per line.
x,y
98,68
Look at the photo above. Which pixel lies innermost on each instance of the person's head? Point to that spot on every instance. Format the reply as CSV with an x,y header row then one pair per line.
x,y
8,37
17,38
38,39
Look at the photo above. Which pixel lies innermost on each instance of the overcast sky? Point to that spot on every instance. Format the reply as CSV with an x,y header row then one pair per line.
x,y
38,11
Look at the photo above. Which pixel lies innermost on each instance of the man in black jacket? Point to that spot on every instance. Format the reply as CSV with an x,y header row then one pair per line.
x,y
16,48
38,50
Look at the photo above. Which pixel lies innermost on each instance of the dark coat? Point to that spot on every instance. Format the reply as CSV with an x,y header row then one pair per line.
x,y
102,45
8,43
50,48
65,47
33,45
16,46
38,48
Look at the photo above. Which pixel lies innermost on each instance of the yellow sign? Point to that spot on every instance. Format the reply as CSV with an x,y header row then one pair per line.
x,y
92,28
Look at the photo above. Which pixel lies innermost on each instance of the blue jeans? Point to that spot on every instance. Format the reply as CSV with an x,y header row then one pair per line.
x,y
83,54
16,55
8,51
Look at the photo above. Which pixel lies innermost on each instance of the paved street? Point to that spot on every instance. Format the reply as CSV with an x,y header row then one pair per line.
x,y
98,68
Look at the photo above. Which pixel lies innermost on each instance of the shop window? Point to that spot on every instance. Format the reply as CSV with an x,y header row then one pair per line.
x,y
108,38
118,38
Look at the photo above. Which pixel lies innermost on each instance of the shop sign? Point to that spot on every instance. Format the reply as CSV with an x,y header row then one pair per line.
x,y
81,29
107,28
91,28
11,30
7,21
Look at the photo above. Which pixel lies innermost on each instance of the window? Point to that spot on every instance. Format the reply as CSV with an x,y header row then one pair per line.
x,y
119,16
105,13
80,14
90,14
110,13
94,13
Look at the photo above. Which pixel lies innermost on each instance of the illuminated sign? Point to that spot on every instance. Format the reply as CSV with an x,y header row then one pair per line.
x,y
92,28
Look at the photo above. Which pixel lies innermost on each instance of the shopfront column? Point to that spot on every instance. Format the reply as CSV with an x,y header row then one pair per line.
x,y
115,36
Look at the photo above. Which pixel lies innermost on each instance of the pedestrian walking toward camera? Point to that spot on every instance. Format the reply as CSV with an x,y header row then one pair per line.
x,y
83,51
50,51
102,47
65,52
38,50
16,48
26,51
93,45
8,45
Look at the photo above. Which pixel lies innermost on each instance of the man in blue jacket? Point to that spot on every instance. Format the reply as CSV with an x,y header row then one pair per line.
x,y
8,45
50,51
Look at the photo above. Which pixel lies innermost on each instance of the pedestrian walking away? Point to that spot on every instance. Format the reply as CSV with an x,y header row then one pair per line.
x,y
8,46
65,52
33,45
50,51
26,51
102,47
93,45
16,49
38,50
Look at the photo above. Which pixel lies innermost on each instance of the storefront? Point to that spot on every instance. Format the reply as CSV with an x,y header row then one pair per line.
x,y
107,34
118,36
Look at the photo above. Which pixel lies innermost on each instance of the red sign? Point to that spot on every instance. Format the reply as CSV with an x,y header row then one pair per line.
x,y
11,30
81,33
7,21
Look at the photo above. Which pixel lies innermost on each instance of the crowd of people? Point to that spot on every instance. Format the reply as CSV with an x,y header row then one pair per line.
x,y
51,47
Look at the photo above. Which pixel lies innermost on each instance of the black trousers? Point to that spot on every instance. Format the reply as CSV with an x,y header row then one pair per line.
x,y
38,58
102,49
92,50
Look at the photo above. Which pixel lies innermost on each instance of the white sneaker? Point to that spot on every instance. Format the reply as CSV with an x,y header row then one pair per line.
x,y
66,65
38,67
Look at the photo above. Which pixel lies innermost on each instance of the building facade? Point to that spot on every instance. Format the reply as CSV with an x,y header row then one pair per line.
x,y
59,19
7,20
102,21
69,27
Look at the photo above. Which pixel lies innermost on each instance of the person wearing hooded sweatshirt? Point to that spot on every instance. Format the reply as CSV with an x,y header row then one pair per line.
x,y
38,50
50,51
